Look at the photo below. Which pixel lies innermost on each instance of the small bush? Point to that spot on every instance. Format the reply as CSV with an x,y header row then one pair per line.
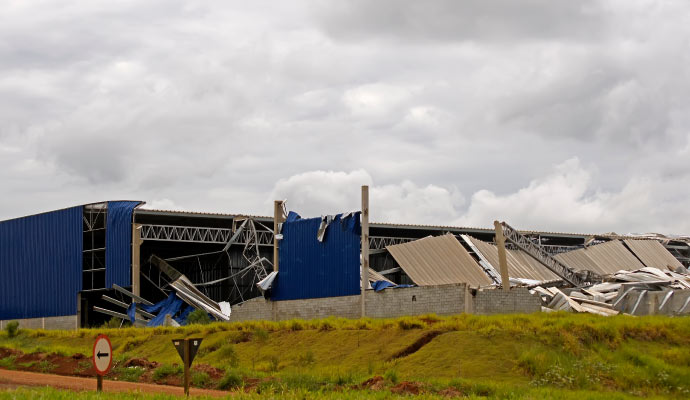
x,y
46,366
200,379
115,323
198,316
306,359
164,371
8,362
273,363
410,323
130,374
12,329
392,375
261,335
228,354
82,366
231,380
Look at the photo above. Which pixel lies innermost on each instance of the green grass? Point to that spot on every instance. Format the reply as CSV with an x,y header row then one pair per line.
x,y
165,371
130,374
535,353
8,362
479,393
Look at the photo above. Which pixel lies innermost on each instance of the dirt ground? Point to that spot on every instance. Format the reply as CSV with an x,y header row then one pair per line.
x,y
12,379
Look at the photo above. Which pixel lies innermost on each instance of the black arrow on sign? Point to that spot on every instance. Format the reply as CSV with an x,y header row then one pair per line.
x,y
99,354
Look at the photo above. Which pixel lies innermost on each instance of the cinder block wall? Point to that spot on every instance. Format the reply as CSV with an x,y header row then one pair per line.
x,y
66,322
441,300
495,301
444,299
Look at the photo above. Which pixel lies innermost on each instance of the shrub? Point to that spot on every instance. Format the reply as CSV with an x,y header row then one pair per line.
x,y
391,375
306,359
410,323
228,354
198,316
273,363
8,362
130,374
200,379
230,380
12,329
166,370
46,366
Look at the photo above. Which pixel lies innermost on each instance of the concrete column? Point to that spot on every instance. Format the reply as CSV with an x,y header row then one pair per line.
x,y
136,259
365,247
502,261
277,219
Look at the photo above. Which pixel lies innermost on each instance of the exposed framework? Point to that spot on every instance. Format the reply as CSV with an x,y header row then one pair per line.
x,y
243,274
200,234
539,254
93,264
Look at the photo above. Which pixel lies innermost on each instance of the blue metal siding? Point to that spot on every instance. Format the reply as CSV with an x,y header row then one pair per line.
x,y
118,243
309,268
41,264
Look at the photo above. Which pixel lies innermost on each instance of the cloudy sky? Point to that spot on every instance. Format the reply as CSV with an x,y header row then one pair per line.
x,y
555,115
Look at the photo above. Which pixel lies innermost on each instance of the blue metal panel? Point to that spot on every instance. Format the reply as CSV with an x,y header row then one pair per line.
x,y
41,264
118,243
311,269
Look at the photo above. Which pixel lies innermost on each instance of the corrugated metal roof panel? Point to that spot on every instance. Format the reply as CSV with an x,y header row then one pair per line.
x,y
438,260
41,264
653,254
309,268
519,265
375,276
604,259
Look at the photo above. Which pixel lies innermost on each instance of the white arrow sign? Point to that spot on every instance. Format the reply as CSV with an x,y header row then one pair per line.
x,y
102,355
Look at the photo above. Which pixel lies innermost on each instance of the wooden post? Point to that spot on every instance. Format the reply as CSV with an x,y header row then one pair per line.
x,y
277,219
136,262
502,261
365,246
187,352
99,383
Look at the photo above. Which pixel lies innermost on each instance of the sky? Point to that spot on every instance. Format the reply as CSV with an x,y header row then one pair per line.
x,y
569,116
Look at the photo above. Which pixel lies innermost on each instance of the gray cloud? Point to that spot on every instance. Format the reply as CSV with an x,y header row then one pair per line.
x,y
452,110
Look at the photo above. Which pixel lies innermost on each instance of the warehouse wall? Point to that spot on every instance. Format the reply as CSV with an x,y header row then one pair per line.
x,y
441,300
41,264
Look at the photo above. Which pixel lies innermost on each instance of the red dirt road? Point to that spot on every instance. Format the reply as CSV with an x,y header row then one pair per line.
x,y
22,378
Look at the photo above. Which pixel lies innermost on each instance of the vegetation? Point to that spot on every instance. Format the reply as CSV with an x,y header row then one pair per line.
x,y
198,316
200,379
130,374
8,362
165,371
12,328
554,355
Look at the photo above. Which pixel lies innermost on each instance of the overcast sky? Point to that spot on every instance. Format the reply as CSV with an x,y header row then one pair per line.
x,y
553,115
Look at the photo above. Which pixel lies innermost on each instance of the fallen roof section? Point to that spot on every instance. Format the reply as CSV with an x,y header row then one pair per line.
x,y
653,254
520,265
438,260
604,259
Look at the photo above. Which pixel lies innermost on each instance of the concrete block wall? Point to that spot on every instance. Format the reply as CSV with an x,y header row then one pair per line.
x,y
495,301
441,300
64,322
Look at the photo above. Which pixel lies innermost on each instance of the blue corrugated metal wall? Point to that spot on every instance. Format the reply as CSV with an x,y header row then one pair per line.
x,y
41,264
309,268
118,243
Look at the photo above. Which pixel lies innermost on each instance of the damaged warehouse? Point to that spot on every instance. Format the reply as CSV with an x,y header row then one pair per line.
x,y
82,266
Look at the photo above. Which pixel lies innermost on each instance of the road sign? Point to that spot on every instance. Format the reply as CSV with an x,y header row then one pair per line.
x,y
193,347
102,355
187,349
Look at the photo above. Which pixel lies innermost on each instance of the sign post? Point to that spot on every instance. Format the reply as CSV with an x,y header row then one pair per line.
x,y
102,359
187,349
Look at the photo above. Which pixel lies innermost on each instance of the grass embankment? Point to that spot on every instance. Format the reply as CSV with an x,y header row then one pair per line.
x,y
532,356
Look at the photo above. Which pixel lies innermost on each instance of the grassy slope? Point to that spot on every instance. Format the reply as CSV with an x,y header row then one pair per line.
x,y
476,354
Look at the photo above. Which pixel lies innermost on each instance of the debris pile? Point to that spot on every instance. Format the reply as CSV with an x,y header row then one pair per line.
x,y
622,290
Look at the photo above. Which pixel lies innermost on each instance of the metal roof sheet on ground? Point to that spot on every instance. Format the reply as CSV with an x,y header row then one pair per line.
x,y
519,265
438,260
653,254
605,258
